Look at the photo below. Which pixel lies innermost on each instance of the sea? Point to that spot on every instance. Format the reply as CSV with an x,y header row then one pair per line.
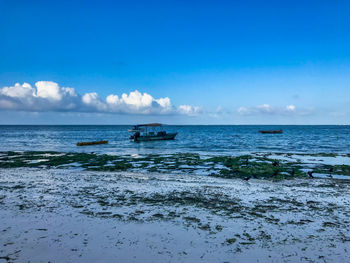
x,y
201,139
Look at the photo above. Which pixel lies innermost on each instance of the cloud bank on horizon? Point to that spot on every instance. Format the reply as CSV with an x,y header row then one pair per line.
x,y
49,96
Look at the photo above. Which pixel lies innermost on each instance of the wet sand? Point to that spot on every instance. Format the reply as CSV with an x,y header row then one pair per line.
x,y
62,215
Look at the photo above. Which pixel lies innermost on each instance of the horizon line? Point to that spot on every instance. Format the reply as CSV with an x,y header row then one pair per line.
x,y
177,124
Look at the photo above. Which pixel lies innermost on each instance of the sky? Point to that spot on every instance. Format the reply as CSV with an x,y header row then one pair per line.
x,y
175,62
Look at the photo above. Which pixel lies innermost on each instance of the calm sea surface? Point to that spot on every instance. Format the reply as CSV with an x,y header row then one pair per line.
x,y
200,139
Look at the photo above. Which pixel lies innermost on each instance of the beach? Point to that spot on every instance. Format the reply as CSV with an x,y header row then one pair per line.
x,y
59,215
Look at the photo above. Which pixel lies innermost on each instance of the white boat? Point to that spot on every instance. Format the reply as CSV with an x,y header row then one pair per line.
x,y
150,132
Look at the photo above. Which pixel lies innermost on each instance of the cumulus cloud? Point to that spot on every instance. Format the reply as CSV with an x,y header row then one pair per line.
x,y
268,109
92,101
135,102
49,96
45,96
51,91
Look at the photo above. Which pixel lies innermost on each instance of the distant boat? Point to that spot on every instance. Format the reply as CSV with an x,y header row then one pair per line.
x,y
91,143
150,132
271,131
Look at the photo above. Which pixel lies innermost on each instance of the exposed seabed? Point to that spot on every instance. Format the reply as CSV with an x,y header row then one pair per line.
x,y
80,213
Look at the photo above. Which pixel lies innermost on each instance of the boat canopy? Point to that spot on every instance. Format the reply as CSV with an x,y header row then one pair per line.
x,y
143,127
149,125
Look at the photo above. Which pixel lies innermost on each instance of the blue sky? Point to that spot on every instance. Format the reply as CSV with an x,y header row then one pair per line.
x,y
218,62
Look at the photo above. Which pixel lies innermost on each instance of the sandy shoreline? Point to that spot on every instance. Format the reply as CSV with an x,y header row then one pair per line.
x,y
60,215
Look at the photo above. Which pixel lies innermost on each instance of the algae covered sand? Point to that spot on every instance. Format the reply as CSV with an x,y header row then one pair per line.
x,y
69,215
256,165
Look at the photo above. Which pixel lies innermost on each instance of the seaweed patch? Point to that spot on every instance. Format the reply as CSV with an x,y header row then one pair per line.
x,y
259,166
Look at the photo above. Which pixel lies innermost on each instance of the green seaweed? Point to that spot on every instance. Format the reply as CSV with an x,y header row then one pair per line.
x,y
244,166
158,215
230,241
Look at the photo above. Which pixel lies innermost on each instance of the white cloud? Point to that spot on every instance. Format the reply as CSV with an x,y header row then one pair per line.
x,y
265,108
268,109
164,102
45,96
189,110
112,99
18,91
48,90
290,108
49,96
92,101
138,103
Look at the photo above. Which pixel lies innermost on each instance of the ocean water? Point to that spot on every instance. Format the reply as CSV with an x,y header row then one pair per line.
x,y
209,140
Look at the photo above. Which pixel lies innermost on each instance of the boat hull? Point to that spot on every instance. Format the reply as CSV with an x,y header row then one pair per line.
x,y
271,132
91,143
169,136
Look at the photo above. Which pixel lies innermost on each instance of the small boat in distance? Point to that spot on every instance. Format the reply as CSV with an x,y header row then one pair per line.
x,y
91,143
271,132
150,132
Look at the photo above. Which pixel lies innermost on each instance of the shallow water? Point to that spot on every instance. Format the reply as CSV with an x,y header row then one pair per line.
x,y
210,140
